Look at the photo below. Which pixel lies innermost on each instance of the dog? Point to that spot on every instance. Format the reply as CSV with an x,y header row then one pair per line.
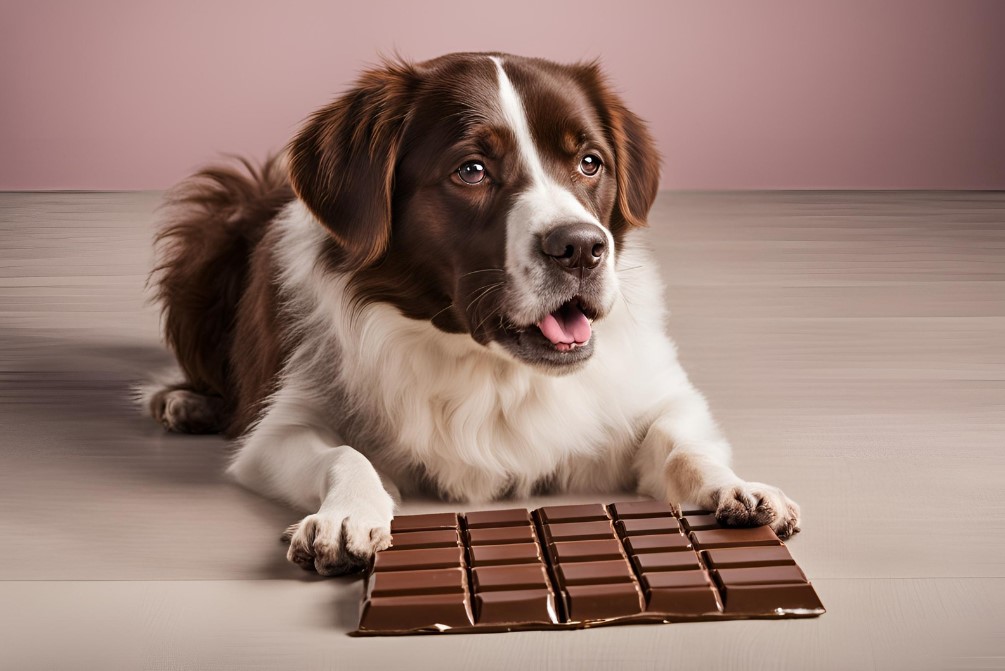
x,y
441,286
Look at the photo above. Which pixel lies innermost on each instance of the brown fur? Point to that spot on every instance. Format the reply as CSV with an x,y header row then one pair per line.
x,y
259,342
215,221
342,161
637,168
180,409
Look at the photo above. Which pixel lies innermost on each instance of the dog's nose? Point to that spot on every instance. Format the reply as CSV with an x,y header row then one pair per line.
x,y
576,247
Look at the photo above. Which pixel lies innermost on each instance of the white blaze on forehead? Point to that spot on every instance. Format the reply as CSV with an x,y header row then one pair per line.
x,y
512,109
555,200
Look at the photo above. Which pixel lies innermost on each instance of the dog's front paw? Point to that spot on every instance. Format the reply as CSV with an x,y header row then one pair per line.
x,y
333,543
752,504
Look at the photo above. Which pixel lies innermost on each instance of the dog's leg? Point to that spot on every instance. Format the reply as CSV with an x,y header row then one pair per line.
x,y
684,458
292,455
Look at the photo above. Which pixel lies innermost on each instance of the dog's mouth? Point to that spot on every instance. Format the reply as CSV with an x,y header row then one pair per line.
x,y
560,340
569,327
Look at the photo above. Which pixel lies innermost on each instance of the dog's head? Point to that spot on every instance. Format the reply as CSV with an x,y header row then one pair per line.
x,y
485,193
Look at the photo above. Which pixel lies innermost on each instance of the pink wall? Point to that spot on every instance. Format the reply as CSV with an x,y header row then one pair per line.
x,y
99,94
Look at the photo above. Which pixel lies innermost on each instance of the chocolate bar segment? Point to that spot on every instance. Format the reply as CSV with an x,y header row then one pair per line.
x,y
513,577
761,600
430,581
511,607
510,553
602,601
759,589
588,512
572,531
420,613
761,575
423,522
590,569
423,558
665,561
647,526
501,535
418,588
699,522
438,538
745,557
675,579
509,579
595,550
594,573
685,592
657,543
498,518
629,509
731,537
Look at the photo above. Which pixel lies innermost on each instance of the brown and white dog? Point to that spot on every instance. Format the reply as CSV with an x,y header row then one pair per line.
x,y
441,287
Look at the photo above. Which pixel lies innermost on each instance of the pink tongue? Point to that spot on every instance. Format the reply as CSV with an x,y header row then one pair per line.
x,y
566,325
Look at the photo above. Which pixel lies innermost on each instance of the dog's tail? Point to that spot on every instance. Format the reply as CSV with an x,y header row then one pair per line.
x,y
211,225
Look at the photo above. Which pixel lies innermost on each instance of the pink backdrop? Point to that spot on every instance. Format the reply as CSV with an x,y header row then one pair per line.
x,y
98,94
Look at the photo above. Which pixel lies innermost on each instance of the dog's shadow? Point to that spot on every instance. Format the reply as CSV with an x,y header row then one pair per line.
x,y
79,396
76,402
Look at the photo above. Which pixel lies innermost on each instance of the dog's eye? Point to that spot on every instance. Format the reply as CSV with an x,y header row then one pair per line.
x,y
590,165
472,172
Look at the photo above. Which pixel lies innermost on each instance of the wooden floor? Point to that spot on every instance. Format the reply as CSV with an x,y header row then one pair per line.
x,y
852,345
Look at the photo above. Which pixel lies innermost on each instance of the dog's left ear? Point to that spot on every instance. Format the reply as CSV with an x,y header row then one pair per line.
x,y
343,160
636,160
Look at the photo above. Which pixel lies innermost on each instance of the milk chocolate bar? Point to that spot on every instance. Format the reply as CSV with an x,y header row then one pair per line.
x,y
567,567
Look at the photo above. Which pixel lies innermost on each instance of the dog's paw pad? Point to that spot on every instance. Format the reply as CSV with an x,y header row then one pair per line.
x,y
334,544
754,504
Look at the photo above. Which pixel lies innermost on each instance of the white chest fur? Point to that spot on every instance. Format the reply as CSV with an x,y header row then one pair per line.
x,y
476,422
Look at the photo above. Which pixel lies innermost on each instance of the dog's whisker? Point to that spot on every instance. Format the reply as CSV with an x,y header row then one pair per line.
x,y
491,312
449,305
483,270
628,305
496,311
483,292
482,321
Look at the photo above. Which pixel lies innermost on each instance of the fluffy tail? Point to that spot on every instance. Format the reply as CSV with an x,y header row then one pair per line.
x,y
213,221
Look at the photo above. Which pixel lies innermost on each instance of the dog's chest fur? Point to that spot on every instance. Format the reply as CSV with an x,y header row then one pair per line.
x,y
476,424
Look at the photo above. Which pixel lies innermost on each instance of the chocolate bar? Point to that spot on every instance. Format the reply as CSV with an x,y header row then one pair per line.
x,y
567,567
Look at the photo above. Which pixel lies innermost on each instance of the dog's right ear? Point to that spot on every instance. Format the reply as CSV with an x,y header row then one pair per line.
x,y
637,162
342,162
